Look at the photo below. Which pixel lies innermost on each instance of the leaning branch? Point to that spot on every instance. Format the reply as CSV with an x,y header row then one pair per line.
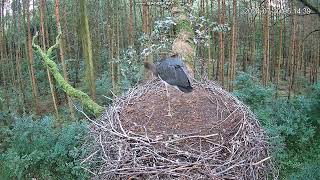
x,y
84,99
316,30
313,8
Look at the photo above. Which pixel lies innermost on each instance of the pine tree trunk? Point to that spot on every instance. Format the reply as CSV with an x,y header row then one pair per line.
x,y
266,46
61,50
19,61
52,89
209,59
201,47
76,40
131,25
221,42
113,46
233,46
96,41
30,58
145,30
214,75
87,49
11,61
253,40
292,58
280,57
117,50
2,58
65,29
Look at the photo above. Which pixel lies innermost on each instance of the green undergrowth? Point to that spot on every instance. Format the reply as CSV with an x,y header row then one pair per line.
x,y
35,148
293,126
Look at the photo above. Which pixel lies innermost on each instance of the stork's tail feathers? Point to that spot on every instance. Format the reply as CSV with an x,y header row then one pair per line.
x,y
151,67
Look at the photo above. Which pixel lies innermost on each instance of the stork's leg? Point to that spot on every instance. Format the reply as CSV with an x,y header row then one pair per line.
x,y
168,98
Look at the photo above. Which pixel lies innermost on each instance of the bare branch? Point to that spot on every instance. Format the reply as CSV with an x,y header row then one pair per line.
x,y
306,3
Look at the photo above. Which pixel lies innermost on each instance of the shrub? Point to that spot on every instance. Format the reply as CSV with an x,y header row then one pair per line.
x,y
250,91
293,126
37,149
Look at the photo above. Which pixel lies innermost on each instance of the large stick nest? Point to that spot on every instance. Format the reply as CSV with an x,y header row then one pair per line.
x,y
211,135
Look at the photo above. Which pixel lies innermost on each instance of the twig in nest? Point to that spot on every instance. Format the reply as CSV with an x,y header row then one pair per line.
x,y
237,152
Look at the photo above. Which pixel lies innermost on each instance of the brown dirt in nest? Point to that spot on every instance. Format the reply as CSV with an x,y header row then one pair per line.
x,y
200,113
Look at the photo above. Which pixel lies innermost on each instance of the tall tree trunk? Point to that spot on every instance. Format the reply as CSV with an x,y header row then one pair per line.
x,y
145,30
61,48
30,58
46,26
292,58
76,41
280,57
253,39
87,49
266,46
221,42
233,46
96,41
201,46
11,60
65,29
3,56
113,48
214,74
19,59
315,61
117,51
52,89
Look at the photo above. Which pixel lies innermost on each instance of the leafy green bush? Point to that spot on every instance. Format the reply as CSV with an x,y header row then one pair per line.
x,y
310,171
291,131
249,90
131,69
37,149
293,126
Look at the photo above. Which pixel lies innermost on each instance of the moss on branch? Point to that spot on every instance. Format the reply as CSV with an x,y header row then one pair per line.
x,y
184,44
184,25
84,99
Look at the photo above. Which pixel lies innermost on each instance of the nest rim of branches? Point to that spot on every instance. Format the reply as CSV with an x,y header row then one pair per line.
x,y
123,154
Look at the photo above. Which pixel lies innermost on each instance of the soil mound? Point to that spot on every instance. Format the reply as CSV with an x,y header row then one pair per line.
x,y
211,135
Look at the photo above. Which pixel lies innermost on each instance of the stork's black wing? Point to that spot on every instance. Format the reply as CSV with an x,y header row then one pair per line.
x,y
173,71
184,84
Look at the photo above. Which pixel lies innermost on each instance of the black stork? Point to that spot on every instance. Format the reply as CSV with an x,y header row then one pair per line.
x,y
174,72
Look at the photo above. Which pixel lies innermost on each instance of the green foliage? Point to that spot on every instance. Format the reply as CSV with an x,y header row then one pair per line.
x,y
131,69
309,171
291,131
293,126
251,92
103,87
37,149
